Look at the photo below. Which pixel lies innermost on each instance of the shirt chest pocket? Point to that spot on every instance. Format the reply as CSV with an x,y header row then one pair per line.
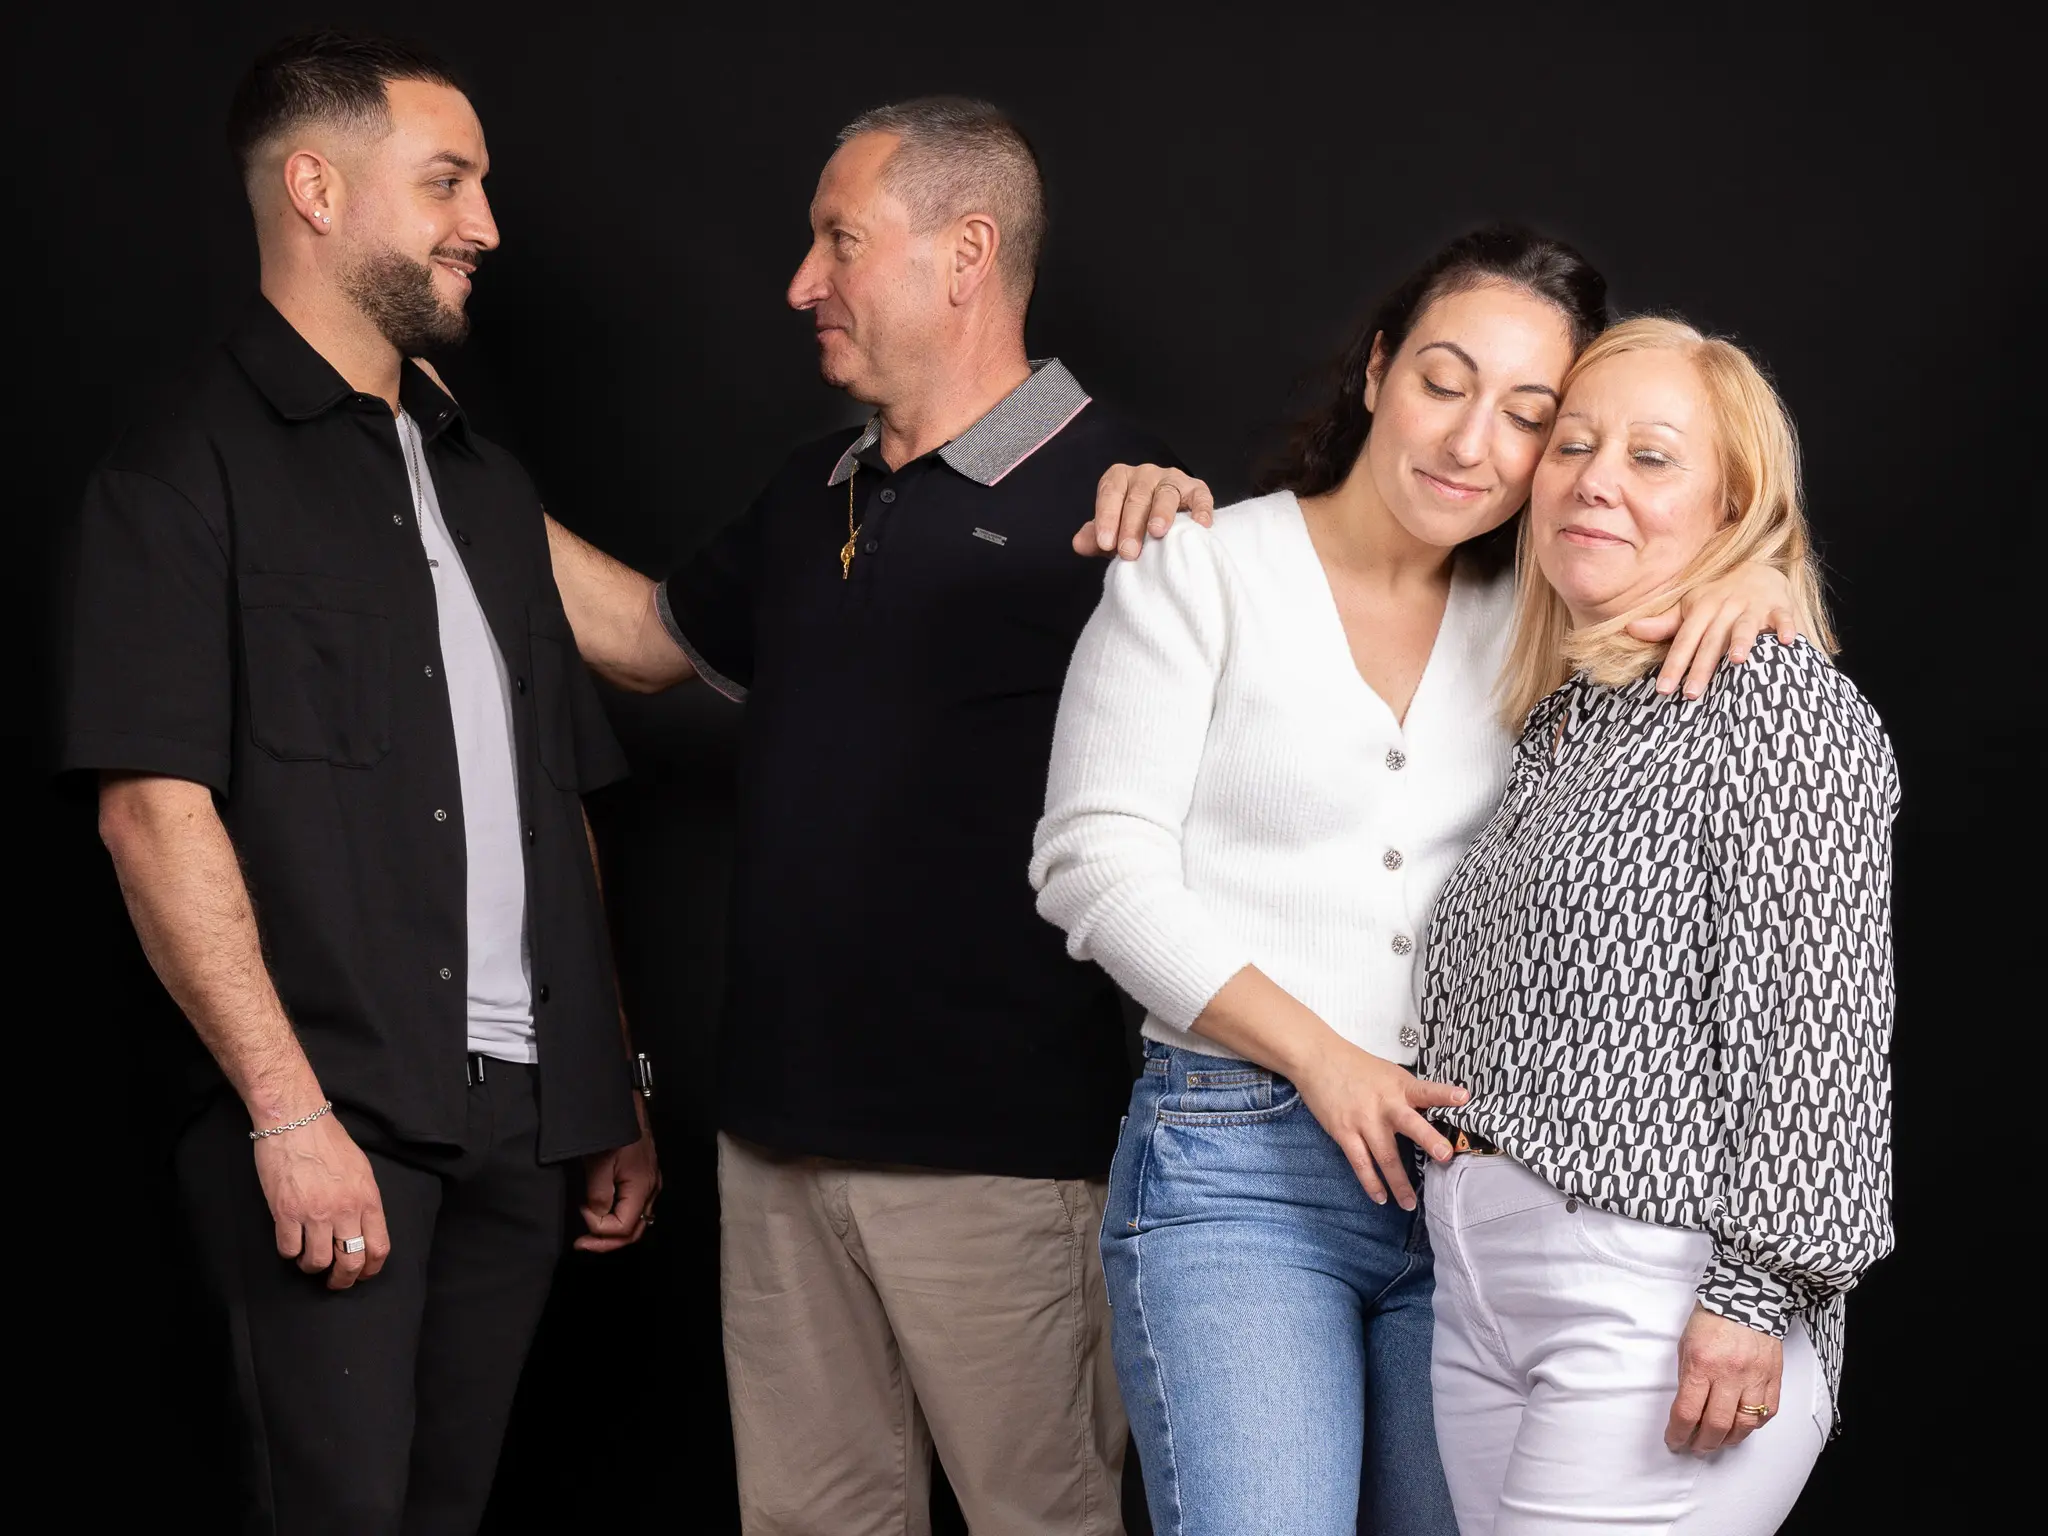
x,y
317,654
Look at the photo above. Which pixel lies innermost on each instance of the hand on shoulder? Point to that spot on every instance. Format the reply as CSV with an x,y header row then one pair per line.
x,y
1136,500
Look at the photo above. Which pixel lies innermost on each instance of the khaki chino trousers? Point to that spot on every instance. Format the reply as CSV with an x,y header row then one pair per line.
x,y
874,1312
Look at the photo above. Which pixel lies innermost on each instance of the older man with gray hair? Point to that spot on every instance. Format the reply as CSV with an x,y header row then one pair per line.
x,y
919,1091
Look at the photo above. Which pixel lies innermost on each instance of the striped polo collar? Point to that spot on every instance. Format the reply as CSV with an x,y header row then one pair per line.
x,y
1014,428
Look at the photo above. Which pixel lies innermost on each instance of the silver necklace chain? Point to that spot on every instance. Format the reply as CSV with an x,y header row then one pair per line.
x,y
415,449
408,436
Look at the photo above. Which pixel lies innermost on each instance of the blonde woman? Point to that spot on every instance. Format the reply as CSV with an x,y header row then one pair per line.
x,y
1663,973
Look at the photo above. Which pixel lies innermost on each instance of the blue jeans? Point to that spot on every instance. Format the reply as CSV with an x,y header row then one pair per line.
x,y
1271,1324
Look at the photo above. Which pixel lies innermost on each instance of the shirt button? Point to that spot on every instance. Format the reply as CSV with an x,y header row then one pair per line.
x,y
519,684
529,831
1410,1036
887,495
1396,759
440,815
1391,858
1571,1205
543,991
1403,945
446,974
871,546
428,670
398,518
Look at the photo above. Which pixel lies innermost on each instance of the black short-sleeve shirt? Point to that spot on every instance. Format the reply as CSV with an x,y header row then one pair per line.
x,y
253,611
893,994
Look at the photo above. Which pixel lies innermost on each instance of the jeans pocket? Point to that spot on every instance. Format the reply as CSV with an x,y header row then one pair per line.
x,y
1229,1093
1641,1247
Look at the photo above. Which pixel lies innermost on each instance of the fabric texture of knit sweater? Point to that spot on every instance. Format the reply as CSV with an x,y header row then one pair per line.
x,y
1226,789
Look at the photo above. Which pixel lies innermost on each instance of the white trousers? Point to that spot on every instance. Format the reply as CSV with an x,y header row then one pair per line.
x,y
1556,1360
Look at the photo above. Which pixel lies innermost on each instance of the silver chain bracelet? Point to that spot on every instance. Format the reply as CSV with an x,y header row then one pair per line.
x,y
293,1125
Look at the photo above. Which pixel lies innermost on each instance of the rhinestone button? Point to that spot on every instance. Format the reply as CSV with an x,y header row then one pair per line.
x,y
1410,1036
398,518
446,974
1391,858
1396,759
1403,945
440,815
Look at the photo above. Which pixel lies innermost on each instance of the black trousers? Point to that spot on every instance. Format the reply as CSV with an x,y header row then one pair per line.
x,y
381,1409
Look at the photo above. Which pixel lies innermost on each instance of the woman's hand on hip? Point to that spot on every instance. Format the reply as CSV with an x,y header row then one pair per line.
x,y
1723,1368
1720,618
1365,1102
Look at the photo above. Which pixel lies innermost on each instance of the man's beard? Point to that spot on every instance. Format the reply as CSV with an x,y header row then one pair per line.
x,y
397,293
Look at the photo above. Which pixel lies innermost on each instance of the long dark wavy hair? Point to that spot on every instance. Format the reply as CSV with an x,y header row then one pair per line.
x,y
1326,444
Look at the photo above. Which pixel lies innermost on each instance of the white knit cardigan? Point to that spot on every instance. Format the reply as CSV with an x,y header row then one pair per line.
x,y
1226,790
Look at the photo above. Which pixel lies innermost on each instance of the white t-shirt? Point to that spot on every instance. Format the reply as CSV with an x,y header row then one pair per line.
x,y
480,704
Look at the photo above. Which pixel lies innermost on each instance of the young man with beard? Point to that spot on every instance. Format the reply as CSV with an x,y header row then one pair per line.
x,y
919,1090
321,669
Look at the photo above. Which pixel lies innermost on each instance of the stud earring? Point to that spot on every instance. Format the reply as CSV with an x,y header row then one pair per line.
x,y
323,218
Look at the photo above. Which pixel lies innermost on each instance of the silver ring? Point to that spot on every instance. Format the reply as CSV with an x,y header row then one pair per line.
x,y
354,1244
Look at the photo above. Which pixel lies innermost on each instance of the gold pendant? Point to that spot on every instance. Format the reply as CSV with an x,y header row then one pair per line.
x,y
846,561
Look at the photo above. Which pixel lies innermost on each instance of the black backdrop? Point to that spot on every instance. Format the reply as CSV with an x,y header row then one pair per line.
x,y
1227,191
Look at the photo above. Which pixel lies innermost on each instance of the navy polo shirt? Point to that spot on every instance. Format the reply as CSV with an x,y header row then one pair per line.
x,y
892,993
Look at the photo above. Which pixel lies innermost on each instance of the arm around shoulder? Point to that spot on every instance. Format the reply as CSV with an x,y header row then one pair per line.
x,y
612,610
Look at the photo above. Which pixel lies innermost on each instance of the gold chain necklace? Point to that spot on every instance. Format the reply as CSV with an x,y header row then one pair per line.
x,y
852,530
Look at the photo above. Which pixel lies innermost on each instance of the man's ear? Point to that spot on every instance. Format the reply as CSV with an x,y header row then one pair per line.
x,y
312,187
1375,370
976,240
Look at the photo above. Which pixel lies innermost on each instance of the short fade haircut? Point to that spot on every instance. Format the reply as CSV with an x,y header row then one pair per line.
x,y
958,155
323,77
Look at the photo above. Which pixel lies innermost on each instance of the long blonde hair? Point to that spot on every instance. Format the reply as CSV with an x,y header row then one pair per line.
x,y
1763,519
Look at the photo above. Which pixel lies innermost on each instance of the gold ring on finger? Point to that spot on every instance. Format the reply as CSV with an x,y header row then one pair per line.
x,y
1761,1410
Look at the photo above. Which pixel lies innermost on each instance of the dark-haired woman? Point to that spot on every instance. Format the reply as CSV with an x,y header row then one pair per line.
x,y
1278,737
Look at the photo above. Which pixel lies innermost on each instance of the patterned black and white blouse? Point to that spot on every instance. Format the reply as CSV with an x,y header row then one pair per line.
x,y
1664,971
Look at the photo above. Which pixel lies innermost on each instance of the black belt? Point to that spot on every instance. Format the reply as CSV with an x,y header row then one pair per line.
x,y
1462,1140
